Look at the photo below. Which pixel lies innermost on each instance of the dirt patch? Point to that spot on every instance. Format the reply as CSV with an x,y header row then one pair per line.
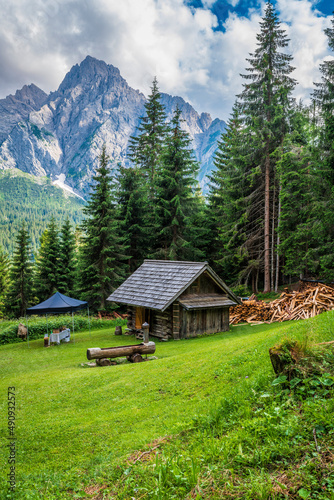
x,y
148,455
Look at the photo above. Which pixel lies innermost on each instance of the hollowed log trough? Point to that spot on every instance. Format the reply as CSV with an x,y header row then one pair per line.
x,y
133,353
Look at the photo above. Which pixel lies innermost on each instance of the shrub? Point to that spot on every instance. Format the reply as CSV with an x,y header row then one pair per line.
x,y
38,326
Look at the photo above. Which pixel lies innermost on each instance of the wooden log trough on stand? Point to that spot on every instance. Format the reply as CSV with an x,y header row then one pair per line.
x,y
132,353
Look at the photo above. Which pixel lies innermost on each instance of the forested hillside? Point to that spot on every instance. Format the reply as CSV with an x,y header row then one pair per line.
x,y
22,198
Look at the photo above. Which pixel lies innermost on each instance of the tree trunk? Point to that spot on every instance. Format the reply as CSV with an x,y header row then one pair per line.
x,y
272,250
278,240
267,224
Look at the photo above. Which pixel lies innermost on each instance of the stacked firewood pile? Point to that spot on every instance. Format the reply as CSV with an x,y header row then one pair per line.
x,y
111,315
311,301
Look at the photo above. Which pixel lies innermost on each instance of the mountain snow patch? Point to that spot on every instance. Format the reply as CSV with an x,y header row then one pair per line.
x,y
60,182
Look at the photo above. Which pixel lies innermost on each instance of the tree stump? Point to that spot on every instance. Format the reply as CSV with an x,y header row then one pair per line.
x,y
280,359
118,330
103,362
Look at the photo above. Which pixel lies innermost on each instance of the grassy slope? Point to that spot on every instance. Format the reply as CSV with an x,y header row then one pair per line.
x,y
75,425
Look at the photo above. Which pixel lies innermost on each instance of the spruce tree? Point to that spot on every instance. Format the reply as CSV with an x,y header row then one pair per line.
x,y
234,211
297,227
20,292
102,266
67,260
48,262
175,194
146,147
132,213
324,98
266,103
4,280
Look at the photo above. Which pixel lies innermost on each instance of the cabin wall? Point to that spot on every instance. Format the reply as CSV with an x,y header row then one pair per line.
x,y
161,323
204,284
131,317
197,322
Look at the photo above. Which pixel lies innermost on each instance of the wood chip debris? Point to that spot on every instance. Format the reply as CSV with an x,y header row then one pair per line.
x,y
307,303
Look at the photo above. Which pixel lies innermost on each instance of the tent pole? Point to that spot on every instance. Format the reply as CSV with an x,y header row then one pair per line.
x,y
88,320
27,329
47,324
73,328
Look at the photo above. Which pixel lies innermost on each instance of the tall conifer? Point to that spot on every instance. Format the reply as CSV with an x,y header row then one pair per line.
x,y
175,194
102,259
324,99
20,291
235,213
266,101
48,262
132,210
67,260
4,280
146,147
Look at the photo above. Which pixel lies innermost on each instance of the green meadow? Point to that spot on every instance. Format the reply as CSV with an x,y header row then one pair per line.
x,y
203,420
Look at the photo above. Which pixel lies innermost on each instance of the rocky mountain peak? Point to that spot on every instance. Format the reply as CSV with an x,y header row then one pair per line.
x,y
90,72
205,120
16,108
31,95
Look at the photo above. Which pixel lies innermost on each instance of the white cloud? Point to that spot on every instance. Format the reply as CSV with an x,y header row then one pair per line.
x,y
42,39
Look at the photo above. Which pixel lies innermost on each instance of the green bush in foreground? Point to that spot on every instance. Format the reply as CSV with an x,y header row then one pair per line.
x,y
39,326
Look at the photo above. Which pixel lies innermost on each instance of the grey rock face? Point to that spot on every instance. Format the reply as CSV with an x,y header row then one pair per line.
x,y
16,108
64,132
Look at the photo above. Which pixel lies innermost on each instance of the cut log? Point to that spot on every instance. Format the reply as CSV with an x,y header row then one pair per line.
x,y
103,362
116,352
136,358
307,303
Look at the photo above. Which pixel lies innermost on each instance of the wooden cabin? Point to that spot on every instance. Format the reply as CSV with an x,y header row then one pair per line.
x,y
177,299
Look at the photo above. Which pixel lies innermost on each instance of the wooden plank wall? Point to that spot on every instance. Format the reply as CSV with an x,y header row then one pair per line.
x,y
204,284
176,320
193,323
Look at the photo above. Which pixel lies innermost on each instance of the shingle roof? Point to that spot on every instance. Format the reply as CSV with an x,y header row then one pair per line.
x,y
204,301
157,283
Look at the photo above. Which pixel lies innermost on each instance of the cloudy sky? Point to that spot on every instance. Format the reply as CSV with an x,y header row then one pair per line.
x,y
196,48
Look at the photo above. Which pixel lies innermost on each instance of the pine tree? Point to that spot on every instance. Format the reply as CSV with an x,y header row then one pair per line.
x,y
324,98
48,262
235,208
4,280
20,290
132,207
102,266
266,102
146,147
175,194
68,260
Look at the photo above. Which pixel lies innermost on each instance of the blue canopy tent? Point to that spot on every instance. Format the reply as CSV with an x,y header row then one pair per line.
x,y
58,304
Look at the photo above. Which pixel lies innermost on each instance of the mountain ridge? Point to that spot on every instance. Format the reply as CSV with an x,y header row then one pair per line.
x,y
62,134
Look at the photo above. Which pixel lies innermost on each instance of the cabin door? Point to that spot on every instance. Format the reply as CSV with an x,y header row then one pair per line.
x,y
142,315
